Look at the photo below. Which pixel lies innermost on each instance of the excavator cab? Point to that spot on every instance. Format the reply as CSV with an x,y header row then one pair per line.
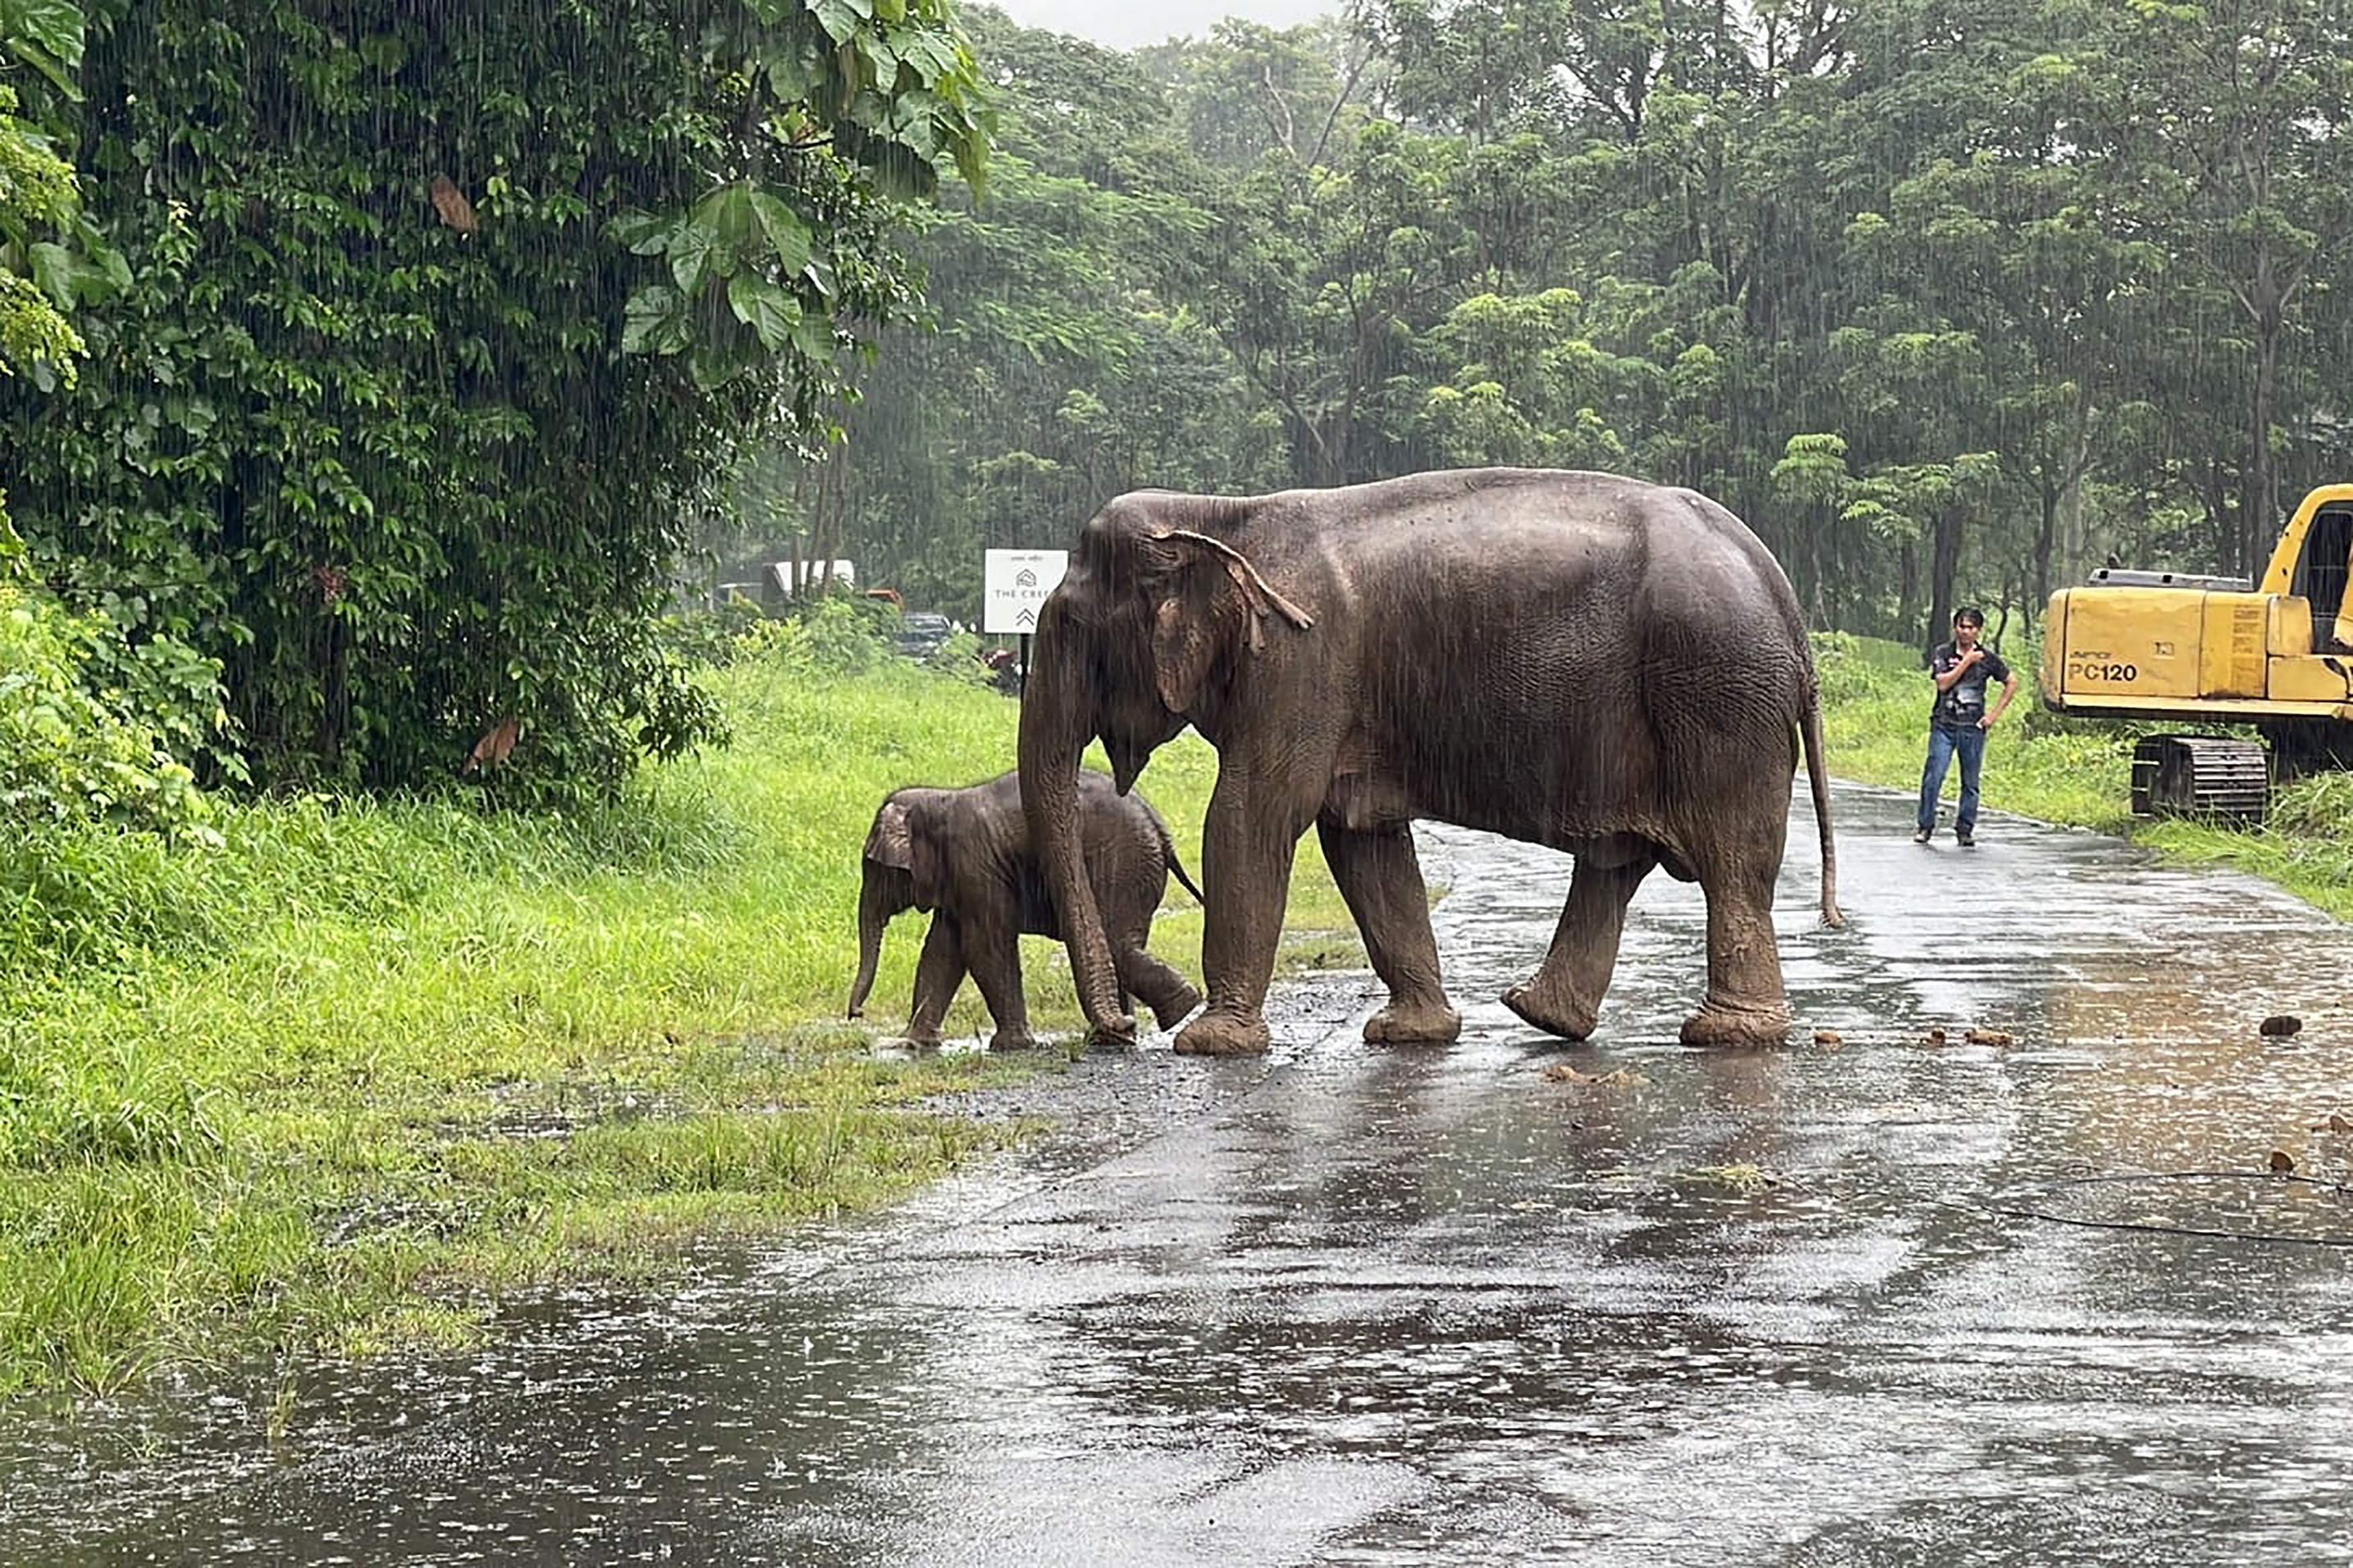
x,y
2322,568
2276,654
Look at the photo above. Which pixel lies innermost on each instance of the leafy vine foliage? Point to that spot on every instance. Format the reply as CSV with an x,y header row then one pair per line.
x,y
40,206
428,323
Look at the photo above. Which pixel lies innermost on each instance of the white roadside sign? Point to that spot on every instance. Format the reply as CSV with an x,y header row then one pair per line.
x,y
1014,586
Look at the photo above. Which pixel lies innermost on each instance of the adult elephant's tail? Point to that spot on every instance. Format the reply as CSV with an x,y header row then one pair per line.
x,y
1819,775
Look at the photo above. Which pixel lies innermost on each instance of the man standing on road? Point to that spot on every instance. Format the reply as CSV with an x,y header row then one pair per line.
x,y
1958,721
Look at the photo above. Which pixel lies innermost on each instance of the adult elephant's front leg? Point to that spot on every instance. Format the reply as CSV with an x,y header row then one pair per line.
x,y
1249,839
1380,878
1746,1003
1564,997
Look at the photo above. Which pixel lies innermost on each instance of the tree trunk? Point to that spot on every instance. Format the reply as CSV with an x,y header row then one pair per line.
x,y
2074,536
1907,594
800,509
1824,521
334,700
1944,566
2075,548
837,476
2259,511
2045,538
2218,514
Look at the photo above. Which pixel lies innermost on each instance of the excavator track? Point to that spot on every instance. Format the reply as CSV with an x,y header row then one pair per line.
x,y
2217,777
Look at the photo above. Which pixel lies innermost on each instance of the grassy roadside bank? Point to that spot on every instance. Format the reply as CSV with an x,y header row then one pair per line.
x,y
2072,771
350,1079
344,1081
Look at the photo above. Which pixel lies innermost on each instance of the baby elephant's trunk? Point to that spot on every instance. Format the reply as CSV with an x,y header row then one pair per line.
x,y
874,912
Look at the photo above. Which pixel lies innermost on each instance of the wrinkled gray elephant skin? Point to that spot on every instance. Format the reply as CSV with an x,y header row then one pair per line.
x,y
963,855
1609,667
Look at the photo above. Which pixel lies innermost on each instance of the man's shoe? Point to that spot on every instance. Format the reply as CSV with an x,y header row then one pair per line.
x,y
1967,840
1921,836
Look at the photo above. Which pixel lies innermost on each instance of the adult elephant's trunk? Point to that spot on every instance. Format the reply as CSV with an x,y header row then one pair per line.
x,y
1054,731
874,912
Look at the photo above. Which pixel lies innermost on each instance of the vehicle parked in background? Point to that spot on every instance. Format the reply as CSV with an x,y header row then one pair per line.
x,y
920,633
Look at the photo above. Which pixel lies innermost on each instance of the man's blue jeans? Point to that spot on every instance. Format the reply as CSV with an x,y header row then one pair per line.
x,y
1943,743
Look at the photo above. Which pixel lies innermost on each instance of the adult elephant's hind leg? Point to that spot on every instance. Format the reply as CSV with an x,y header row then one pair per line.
x,y
1168,994
1379,876
1746,1004
1564,996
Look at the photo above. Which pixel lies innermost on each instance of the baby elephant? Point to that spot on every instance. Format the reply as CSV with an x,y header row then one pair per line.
x,y
964,853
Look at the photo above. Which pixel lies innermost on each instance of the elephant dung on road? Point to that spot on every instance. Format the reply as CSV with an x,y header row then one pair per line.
x,y
963,855
1610,667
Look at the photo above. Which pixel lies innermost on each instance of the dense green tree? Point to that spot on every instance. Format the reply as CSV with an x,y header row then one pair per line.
x,y
51,257
440,318
1061,361
1950,299
2235,117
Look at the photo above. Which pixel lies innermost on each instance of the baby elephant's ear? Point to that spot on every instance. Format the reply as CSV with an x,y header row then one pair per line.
x,y
888,843
927,860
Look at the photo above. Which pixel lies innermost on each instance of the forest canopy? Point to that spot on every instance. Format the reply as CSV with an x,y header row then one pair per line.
x,y
382,378
1946,298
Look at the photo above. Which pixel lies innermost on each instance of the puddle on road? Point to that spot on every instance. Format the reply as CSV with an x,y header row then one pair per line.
x,y
1353,1305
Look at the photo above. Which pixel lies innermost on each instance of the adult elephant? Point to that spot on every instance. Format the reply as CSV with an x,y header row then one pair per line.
x,y
1610,667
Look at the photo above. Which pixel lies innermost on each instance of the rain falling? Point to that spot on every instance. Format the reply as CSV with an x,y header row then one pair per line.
x,y
1342,782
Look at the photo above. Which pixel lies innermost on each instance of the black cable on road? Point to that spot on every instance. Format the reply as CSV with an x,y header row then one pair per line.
x,y
2339,1188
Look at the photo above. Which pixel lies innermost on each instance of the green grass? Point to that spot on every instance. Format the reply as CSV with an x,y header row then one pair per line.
x,y
351,1078
2074,772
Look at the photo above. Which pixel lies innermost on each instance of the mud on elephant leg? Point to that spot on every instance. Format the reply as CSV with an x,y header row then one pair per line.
x,y
1746,1004
1229,1032
1153,983
1377,873
1246,872
1564,996
994,950
938,974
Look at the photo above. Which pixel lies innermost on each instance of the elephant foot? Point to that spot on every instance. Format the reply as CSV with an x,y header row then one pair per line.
x,y
1537,1006
1012,1040
1120,1033
1422,1024
1717,1024
918,1040
1223,1035
1172,1010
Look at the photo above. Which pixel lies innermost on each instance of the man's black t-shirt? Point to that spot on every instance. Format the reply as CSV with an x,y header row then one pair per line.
x,y
1963,704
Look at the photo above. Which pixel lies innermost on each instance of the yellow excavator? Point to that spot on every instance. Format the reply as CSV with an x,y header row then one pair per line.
x,y
2174,647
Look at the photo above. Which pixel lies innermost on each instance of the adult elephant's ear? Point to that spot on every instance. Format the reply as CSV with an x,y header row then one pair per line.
x,y
887,843
1210,600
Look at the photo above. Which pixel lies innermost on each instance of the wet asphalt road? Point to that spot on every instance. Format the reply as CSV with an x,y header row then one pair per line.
x,y
1358,1305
